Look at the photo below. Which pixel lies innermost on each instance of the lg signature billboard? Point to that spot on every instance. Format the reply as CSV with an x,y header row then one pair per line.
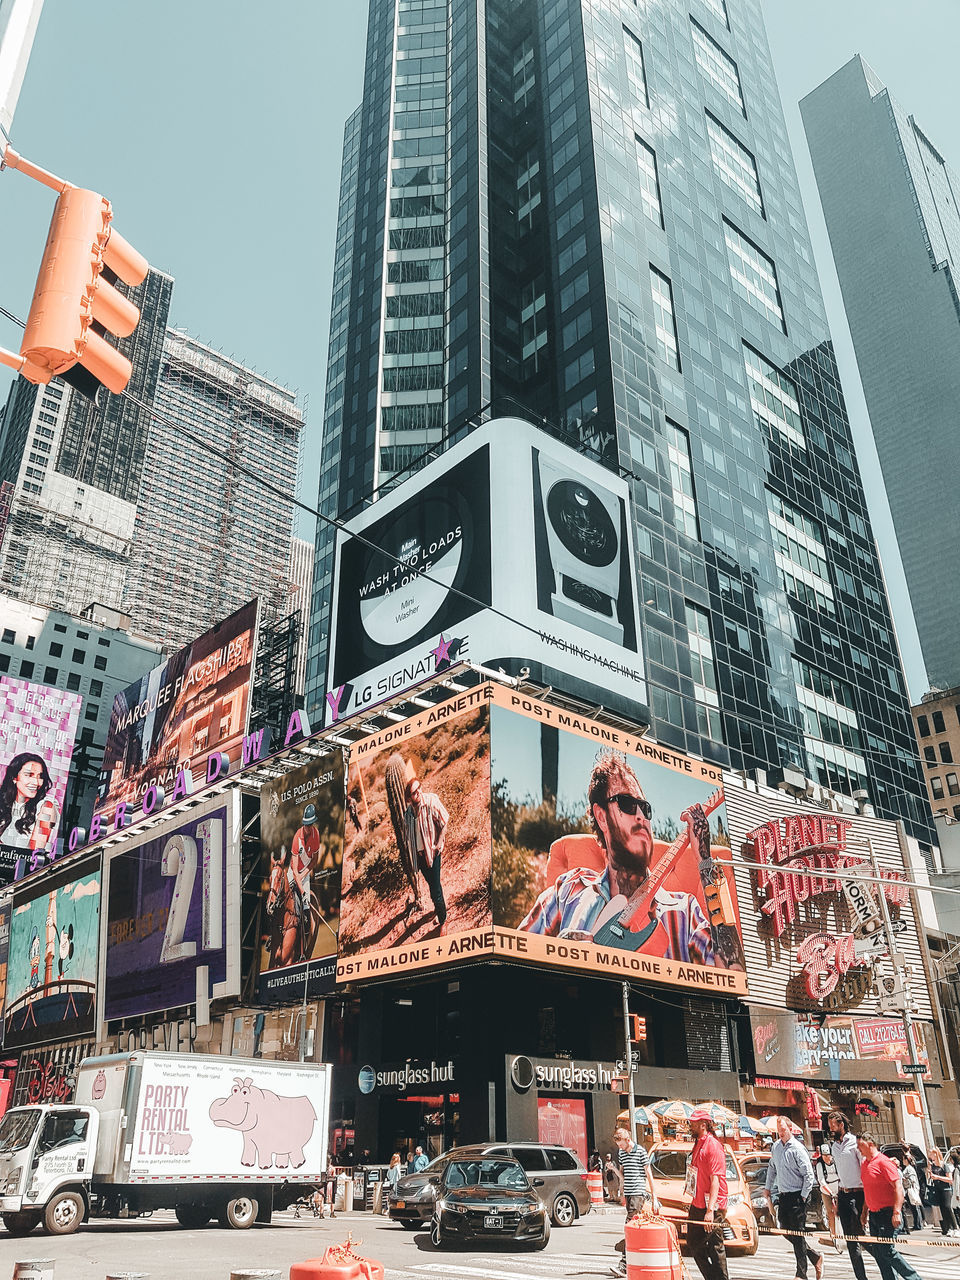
x,y
172,904
195,703
37,730
431,573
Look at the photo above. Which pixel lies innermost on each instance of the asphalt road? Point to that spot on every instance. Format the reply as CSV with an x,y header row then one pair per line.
x,y
163,1250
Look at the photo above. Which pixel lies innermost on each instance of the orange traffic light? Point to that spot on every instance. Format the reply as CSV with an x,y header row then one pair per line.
x,y
74,302
72,295
638,1028
719,903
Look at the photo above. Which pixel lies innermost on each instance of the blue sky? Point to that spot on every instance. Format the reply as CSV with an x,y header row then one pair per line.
x,y
515,758
215,128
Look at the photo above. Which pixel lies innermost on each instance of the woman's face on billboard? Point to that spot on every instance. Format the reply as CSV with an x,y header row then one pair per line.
x,y
29,780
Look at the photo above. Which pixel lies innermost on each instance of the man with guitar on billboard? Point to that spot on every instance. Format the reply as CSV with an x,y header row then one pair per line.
x,y
619,898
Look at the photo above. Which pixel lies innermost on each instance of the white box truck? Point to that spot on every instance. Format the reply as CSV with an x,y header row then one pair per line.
x,y
210,1137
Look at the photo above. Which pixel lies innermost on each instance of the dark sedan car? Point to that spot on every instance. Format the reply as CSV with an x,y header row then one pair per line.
x,y
489,1199
412,1201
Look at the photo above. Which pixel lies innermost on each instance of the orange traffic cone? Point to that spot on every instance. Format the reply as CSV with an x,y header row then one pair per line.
x,y
652,1250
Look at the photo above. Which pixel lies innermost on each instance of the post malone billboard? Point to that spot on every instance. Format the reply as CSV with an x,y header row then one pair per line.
x,y
497,824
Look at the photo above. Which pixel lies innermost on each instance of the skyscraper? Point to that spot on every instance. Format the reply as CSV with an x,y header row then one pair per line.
x,y
890,203
590,211
207,536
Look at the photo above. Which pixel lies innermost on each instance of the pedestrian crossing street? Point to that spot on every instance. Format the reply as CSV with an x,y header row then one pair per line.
x,y
774,1257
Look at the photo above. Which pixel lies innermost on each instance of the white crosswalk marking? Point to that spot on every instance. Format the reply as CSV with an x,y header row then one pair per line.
x,y
931,1263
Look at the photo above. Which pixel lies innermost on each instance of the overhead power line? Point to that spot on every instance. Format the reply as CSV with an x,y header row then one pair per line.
x,y
340,525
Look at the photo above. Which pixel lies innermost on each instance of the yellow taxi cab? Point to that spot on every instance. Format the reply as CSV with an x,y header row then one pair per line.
x,y
668,1169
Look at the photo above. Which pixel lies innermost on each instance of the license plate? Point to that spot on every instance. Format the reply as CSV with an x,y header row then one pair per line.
x,y
399,1204
493,1220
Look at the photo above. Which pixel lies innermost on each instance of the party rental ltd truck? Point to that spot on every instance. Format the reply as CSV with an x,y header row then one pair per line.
x,y
206,1136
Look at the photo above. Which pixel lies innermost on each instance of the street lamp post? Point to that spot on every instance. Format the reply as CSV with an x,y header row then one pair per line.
x,y
902,989
628,1059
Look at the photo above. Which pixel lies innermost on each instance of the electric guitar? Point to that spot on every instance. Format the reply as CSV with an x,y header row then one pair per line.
x,y
613,924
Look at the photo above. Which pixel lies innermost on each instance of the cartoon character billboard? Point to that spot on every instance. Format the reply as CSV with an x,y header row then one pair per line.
x,y
301,834
610,853
37,730
195,703
416,866
172,902
52,963
198,1115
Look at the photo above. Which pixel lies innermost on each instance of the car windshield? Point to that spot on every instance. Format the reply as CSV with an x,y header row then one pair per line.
x,y
17,1128
673,1164
669,1164
755,1172
486,1173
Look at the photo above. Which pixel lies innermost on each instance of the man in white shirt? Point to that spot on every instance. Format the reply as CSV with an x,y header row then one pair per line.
x,y
846,1160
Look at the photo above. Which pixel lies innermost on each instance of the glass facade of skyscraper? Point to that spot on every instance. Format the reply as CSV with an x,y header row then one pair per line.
x,y
891,206
589,209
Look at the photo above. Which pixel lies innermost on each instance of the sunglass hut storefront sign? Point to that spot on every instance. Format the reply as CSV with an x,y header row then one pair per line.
x,y
835,963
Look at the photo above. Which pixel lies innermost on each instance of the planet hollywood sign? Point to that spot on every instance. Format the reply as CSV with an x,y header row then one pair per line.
x,y
812,850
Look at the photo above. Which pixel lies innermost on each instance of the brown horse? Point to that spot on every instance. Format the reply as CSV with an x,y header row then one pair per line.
x,y
293,922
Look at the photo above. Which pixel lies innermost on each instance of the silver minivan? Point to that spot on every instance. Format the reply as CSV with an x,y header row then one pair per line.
x,y
555,1172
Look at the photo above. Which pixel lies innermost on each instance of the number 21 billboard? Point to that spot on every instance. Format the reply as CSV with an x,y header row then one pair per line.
x,y
172,901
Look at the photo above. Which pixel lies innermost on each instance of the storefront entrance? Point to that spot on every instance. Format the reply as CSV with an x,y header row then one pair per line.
x,y
428,1120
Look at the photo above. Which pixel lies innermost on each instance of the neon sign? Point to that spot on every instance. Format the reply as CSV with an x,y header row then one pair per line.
x,y
816,845
824,959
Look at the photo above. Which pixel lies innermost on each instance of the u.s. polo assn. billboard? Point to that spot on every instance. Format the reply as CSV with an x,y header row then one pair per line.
x,y
510,549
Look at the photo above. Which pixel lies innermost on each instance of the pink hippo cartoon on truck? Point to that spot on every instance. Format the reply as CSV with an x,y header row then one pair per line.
x,y
275,1130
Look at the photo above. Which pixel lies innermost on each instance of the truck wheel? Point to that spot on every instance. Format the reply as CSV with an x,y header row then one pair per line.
x,y
192,1215
20,1224
239,1213
63,1214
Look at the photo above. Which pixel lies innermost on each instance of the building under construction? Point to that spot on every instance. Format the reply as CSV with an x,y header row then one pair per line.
x,y
154,502
208,533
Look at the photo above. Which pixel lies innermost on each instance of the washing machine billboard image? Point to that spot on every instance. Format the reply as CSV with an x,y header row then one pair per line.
x,y
511,549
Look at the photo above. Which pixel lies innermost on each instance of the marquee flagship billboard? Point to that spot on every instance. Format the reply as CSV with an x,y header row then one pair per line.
x,y
512,548
195,703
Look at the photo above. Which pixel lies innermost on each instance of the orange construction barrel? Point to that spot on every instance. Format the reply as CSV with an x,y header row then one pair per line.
x,y
595,1187
339,1262
652,1250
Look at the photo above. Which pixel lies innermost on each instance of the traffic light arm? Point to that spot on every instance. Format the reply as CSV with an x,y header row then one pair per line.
x,y
75,302
13,160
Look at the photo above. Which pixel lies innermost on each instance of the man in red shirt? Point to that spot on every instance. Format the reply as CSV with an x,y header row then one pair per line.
x,y
708,1175
883,1201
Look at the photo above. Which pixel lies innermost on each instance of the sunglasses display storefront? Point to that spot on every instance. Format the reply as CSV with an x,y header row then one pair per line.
x,y
501,1052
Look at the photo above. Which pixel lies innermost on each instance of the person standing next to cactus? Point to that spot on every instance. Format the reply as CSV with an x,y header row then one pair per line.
x,y
427,820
